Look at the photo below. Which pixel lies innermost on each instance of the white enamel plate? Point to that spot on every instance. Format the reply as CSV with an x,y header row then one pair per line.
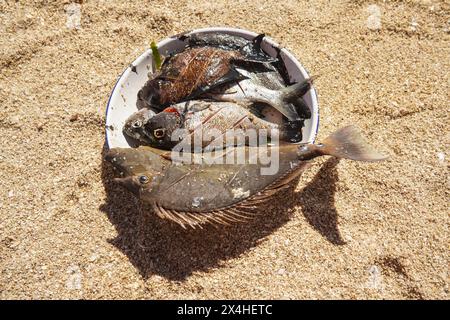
x,y
122,102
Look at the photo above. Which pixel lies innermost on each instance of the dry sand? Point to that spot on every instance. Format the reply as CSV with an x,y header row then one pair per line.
x,y
346,230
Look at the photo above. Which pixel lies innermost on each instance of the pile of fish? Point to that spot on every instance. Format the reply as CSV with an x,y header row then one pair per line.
x,y
219,84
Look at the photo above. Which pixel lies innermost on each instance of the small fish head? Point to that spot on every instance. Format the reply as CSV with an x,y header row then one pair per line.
x,y
135,124
137,168
160,129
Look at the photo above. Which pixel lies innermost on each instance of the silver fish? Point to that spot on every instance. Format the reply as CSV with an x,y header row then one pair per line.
x,y
266,88
200,125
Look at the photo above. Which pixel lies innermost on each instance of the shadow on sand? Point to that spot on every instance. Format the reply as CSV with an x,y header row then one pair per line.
x,y
317,202
156,246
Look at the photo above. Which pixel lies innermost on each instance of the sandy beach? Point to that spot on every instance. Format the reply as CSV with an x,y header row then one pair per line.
x,y
344,230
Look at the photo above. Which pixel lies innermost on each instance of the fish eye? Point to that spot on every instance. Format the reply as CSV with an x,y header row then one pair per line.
x,y
137,124
143,179
159,133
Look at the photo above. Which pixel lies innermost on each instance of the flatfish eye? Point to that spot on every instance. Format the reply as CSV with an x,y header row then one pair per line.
x,y
159,133
137,124
143,179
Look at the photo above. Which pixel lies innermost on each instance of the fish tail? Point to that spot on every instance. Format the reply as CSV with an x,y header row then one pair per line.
x,y
293,92
348,143
258,40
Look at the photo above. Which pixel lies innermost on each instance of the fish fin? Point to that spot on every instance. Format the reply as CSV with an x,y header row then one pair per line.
x,y
302,108
253,51
194,217
348,143
297,90
289,95
255,43
173,217
219,217
142,98
226,214
164,214
239,214
166,59
181,218
163,153
182,35
191,222
167,155
280,66
258,40
231,214
256,58
255,65
288,110
231,76
145,96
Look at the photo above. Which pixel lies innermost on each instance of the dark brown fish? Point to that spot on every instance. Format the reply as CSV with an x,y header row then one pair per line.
x,y
193,193
188,73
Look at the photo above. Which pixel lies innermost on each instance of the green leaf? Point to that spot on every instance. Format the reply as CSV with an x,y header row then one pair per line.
x,y
156,55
